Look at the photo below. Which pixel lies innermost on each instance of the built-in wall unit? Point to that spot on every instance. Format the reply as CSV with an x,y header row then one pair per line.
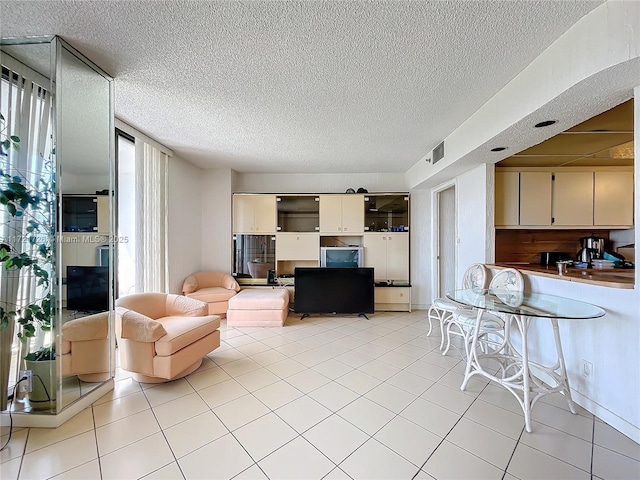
x,y
275,233
62,113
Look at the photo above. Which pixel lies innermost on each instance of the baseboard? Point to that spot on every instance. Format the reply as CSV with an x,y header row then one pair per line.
x,y
620,424
43,420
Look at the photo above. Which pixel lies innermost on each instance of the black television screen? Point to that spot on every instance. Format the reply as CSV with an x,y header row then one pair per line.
x,y
88,288
334,290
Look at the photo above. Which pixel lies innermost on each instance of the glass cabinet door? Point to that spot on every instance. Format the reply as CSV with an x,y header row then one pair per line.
x,y
386,213
298,213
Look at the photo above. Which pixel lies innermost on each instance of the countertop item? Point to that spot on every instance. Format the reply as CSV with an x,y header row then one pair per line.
x,y
611,277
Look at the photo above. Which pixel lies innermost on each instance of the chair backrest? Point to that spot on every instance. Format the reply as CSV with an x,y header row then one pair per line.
x,y
508,279
475,276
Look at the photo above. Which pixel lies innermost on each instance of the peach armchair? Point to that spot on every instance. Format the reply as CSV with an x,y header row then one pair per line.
x,y
214,288
163,336
86,350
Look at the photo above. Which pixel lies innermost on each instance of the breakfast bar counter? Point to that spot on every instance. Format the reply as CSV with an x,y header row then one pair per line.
x,y
612,278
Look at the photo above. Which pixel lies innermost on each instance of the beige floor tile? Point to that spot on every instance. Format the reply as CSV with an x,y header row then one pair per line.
x,y
452,462
445,361
221,459
307,380
333,369
559,444
410,382
412,351
240,340
333,396
254,348
530,464
257,379
370,349
489,445
179,410
426,370
296,460
292,349
397,359
277,394
222,392
611,465
121,388
368,416
311,357
226,356
138,459
564,420
42,437
263,334
259,445
313,342
168,472
120,408
453,380
126,431
336,474
194,433
241,366
303,413
336,438
83,472
454,400
560,401
500,397
611,439
354,359
55,459
276,341
287,367
166,392
408,440
358,381
390,397
10,469
428,415
16,447
268,357
379,370
240,411
496,418
252,473
207,378
376,461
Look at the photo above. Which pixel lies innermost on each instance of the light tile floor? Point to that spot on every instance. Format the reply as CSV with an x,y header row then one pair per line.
x,y
324,398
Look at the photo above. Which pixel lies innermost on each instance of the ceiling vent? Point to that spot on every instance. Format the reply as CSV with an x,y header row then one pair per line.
x,y
438,153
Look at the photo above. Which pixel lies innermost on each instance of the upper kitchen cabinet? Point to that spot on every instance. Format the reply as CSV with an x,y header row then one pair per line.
x,y
386,212
564,197
342,214
613,199
298,213
254,214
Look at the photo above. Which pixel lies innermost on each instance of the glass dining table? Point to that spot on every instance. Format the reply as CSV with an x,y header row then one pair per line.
x,y
513,368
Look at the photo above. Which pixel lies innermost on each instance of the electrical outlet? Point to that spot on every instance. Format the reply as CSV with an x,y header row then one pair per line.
x,y
587,369
26,386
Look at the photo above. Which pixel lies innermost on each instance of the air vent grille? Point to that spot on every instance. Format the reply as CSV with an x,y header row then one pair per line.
x,y
438,153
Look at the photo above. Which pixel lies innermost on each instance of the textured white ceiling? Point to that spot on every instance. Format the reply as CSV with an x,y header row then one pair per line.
x,y
305,87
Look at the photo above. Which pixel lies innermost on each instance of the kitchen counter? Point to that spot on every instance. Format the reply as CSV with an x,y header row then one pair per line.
x,y
612,277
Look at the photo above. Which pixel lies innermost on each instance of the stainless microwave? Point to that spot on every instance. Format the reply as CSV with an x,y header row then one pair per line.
x,y
342,257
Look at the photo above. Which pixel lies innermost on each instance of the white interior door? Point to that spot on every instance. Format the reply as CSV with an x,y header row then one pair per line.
x,y
446,239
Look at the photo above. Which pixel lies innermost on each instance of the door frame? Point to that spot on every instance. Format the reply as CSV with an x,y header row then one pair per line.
x,y
435,234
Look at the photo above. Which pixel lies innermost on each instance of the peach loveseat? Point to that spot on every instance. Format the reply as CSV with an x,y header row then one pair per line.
x,y
214,288
86,348
163,336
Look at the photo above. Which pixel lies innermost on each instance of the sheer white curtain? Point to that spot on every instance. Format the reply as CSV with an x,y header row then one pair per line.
x,y
151,219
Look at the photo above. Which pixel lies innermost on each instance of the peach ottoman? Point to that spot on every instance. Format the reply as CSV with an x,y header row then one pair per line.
x,y
258,307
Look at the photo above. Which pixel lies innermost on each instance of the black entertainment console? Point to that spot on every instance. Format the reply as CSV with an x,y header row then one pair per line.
x,y
334,290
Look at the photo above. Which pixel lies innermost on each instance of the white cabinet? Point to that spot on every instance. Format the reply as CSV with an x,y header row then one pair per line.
x,y
613,199
573,199
343,214
298,246
535,198
254,214
388,254
507,198
103,214
392,299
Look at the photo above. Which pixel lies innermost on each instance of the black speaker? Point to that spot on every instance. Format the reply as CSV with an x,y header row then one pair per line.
x,y
271,277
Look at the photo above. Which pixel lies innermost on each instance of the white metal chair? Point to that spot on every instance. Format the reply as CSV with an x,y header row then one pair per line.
x,y
442,309
506,280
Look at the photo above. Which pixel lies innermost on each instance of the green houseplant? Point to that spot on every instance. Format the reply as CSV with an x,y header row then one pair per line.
x,y
27,231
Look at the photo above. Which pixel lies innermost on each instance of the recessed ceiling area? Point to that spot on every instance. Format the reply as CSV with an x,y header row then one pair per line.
x,y
604,140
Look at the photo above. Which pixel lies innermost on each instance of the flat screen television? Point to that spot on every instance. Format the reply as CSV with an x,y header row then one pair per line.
x,y
87,288
334,290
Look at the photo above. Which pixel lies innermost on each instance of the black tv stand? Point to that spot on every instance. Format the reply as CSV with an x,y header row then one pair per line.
x,y
305,315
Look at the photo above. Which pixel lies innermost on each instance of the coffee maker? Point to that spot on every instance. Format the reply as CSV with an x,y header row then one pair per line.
x,y
590,248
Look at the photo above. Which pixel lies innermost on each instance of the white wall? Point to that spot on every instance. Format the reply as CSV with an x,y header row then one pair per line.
x,y
216,241
420,238
184,220
73,183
